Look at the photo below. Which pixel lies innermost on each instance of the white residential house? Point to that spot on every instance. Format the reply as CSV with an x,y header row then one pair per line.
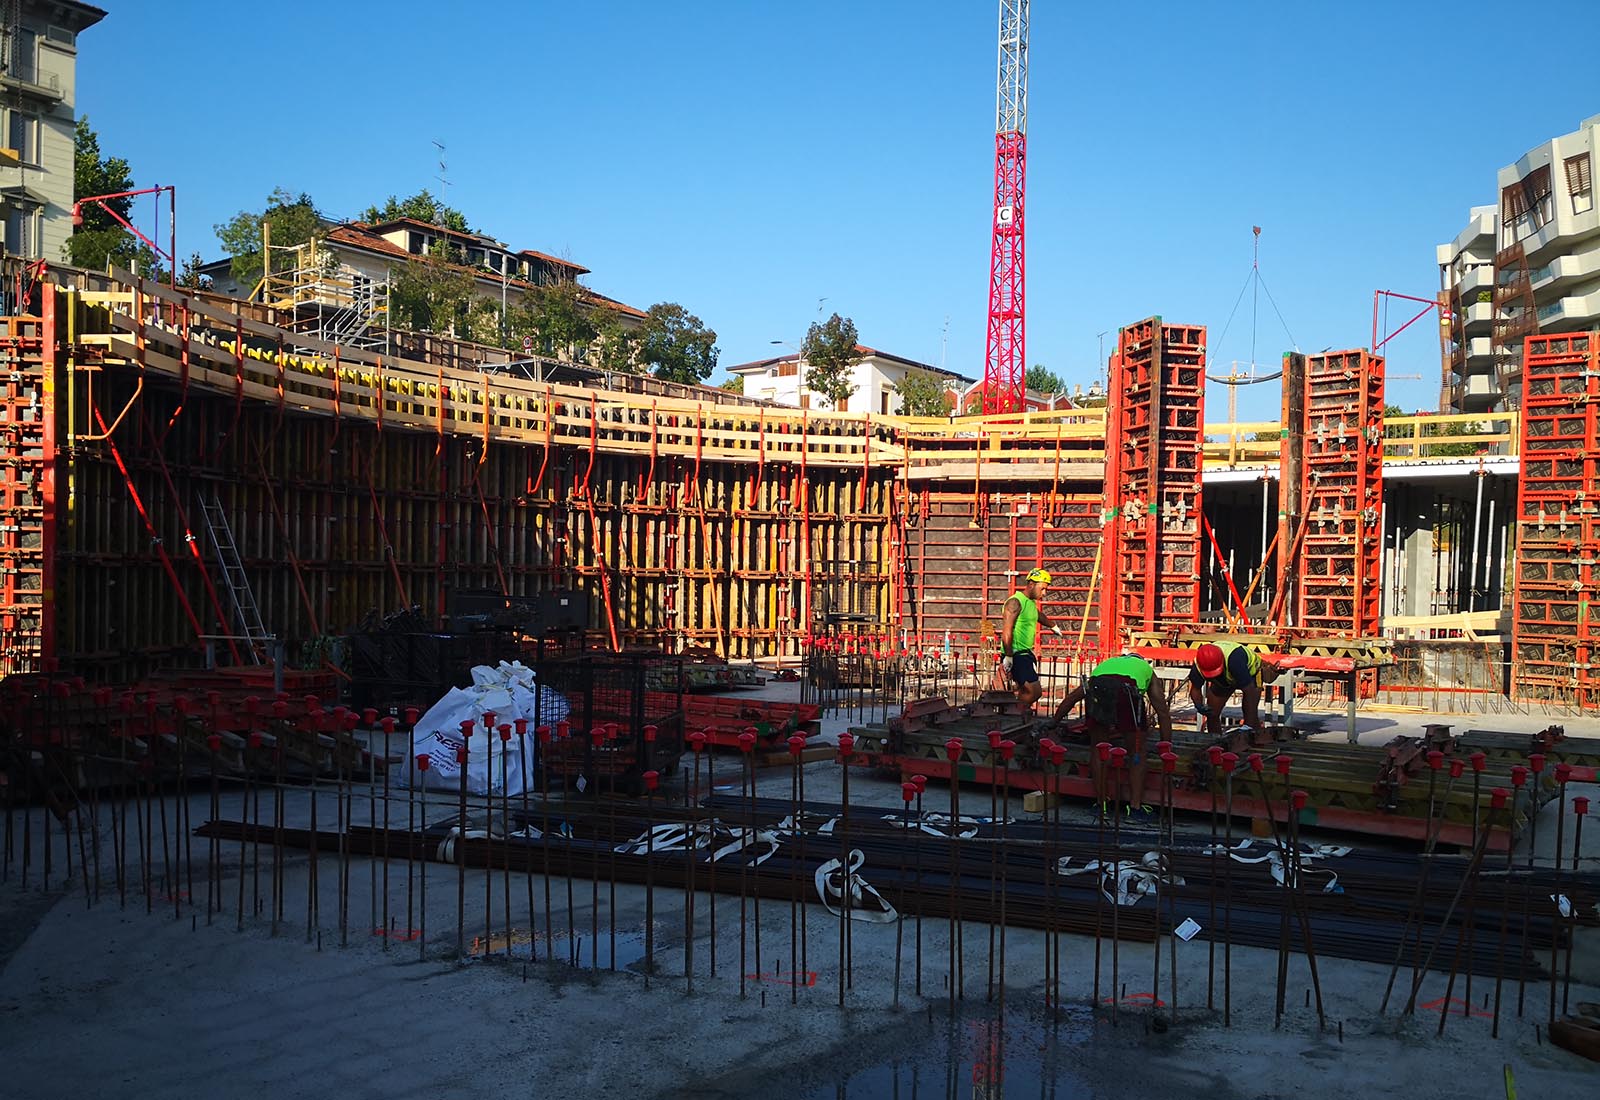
x,y
1529,264
874,376
339,284
38,102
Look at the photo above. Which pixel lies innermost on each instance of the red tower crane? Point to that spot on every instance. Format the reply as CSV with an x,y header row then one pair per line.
x,y
1005,365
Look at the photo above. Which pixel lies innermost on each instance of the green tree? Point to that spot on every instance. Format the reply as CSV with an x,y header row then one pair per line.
x,y
435,294
294,221
674,343
100,239
1465,447
734,383
423,207
561,320
615,348
1041,379
191,277
922,394
829,351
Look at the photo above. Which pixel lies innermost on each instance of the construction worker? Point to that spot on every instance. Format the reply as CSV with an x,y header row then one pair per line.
x,y
1023,618
1119,696
1220,669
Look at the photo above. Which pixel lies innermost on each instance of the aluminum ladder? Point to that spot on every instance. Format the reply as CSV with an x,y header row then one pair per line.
x,y
247,616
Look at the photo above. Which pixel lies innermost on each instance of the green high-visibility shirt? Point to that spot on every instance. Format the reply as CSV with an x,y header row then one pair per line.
x,y
1026,628
1136,669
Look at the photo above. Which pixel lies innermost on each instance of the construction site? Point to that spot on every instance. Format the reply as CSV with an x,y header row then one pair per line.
x,y
646,738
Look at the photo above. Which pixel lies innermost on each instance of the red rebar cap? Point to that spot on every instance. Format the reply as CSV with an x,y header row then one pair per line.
x,y
1456,767
370,716
908,791
1103,750
697,740
1435,759
1255,762
1497,798
1169,762
181,703
279,708
953,749
412,714
597,735
505,731
747,742
613,729
847,743
214,741
1580,806
127,703
797,745
1214,754
102,696
1045,745
339,712
213,698
563,729
423,760
1163,747
543,734
652,779
387,725
1563,772
1230,760
1119,757
1478,760
461,754
350,722
467,726
649,733
1519,775
312,702
1299,800
1008,749
994,738
522,726
1283,764
1536,762
920,782
254,739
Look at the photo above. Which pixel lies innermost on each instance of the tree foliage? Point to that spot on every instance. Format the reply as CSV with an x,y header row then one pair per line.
x,y
676,345
100,239
422,207
294,221
734,383
434,294
829,351
616,347
191,277
922,394
1041,379
559,317
1463,448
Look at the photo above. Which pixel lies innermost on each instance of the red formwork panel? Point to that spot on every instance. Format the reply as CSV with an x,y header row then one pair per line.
x,y
1155,434
1557,561
26,515
1338,584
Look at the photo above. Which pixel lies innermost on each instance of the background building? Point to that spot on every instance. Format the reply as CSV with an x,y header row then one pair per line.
x,y
874,377
1529,264
38,78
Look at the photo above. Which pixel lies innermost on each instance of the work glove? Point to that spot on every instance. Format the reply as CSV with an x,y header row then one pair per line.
x,y
1005,662
1057,629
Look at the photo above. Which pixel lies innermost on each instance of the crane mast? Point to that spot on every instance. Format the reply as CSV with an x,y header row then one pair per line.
x,y
1005,364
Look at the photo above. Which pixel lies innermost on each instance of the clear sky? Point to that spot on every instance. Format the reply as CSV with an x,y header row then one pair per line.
x,y
750,159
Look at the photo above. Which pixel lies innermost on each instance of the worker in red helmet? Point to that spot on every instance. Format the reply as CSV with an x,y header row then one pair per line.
x,y
1220,669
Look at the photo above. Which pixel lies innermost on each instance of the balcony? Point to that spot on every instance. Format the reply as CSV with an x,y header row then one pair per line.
x,y
1478,316
1577,311
45,86
1584,265
1474,281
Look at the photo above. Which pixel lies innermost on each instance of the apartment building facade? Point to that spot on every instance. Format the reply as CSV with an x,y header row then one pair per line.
x,y
874,376
38,113
1530,263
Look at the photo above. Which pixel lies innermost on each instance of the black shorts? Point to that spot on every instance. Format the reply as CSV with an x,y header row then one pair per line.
x,y
1023,669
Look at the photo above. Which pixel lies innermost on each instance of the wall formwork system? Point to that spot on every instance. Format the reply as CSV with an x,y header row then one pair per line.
x,y
1557,560
357,486
1154,453
1338,573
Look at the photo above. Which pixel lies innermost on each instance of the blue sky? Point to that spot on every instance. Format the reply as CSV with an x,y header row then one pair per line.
x,y
749,159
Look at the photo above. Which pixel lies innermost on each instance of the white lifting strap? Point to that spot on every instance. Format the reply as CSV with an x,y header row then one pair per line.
x,y
866,904
1133,879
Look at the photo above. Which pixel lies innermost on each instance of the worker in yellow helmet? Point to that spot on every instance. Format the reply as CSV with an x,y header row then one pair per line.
x,y
1020,631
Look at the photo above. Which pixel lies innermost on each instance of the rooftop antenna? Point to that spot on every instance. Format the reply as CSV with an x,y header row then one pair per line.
x,y
944,338
443,176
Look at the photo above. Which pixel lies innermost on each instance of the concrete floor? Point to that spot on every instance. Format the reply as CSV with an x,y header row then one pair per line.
x,y
103,1001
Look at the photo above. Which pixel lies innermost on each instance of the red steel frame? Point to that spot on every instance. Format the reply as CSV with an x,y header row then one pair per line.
x,y
1553,639
27,493
1005,362
1154,438
1339,578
